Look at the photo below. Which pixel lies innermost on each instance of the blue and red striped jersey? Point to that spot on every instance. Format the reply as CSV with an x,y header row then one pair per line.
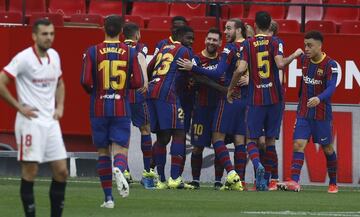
x,y
134,95
160,44
207,96
264,83
318,79
109,70
166,77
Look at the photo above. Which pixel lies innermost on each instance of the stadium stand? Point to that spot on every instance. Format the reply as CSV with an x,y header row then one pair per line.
x,y
202,23
236,11
350,27
10,17
288,25
321,25
33,6
2,5
159,23
311,13
55,18
189,10
104,8
148,10
277,12
135,19
338,15
87,18
67,7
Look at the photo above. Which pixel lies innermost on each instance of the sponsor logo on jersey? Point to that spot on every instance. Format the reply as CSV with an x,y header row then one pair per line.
x,y
263,86
311,81
111,96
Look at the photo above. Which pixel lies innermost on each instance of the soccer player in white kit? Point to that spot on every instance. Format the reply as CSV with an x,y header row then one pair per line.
x,y
40,104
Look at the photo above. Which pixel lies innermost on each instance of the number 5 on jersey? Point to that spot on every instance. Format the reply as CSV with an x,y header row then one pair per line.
x,y
113,76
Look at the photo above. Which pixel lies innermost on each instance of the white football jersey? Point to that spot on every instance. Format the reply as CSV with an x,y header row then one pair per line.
x,y
36,80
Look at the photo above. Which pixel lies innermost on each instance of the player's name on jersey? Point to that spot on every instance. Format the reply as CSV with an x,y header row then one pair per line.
x,y
259,43
106,50
169,46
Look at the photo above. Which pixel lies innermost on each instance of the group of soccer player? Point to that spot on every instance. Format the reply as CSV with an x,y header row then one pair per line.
x,y
234,96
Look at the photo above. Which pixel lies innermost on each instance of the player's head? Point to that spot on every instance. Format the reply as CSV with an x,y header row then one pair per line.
x,y
185,35
177,22
249,31
274,28
43,33
262,21
131,31
234,29
313,41
113,26
213,40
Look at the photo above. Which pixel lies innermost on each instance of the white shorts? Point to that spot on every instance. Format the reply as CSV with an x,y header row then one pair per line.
x,y
38,142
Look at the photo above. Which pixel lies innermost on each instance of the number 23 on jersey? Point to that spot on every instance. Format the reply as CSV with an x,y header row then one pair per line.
x,y
165,60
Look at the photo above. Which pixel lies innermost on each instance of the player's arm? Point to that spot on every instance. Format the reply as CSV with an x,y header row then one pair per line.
x,y
331,79
60,99
240,71
282,62
207,81
27,111
137,78
142,62
86,73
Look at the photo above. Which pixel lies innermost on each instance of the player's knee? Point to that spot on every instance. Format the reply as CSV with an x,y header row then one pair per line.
x,y
145,129
197,150
61,174
299,146
328,149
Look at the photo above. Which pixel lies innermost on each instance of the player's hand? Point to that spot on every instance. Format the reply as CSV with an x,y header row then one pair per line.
x,y
143,89
28,112
185,64
230,97
244,80
313,101
59,112
298,52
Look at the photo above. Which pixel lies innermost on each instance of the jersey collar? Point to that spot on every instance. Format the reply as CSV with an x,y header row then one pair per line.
x,y
261,35
38,57
129,40
109,41
204,54
319,61
240,40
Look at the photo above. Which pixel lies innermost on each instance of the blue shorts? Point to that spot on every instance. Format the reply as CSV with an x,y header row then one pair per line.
x,y
165,115
140,114
264,120
321,131
230,118
108,130
201,125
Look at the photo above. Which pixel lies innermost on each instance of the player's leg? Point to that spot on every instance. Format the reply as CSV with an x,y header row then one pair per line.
x,y
301,136
323,135
119,135
196,165
219,171
57,187
146,146
240,156
30,145
262,148
29,171
162,139
104,165
270,152
177,153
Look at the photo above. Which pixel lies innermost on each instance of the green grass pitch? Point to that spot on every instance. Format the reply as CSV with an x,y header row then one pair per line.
x,y
83,199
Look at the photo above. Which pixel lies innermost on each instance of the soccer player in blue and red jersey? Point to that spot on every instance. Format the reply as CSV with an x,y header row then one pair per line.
x,y
139,109
109,70
229,118
166,112
314,114
262,56
205,104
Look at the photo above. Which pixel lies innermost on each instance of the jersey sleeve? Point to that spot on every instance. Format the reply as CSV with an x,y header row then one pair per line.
x,y
225,60
86,72
58,64
136,75
277,47
144,50
244,51
331,74
15,67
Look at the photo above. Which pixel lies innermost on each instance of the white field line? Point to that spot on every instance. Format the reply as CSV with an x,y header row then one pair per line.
x,y
302,213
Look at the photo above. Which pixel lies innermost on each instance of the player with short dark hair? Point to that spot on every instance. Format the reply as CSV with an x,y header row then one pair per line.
x,y
109,70
139,108
314,113
40,104
262,56
166,111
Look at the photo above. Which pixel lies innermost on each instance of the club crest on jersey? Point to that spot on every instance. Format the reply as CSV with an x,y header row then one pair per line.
x,y
320,72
